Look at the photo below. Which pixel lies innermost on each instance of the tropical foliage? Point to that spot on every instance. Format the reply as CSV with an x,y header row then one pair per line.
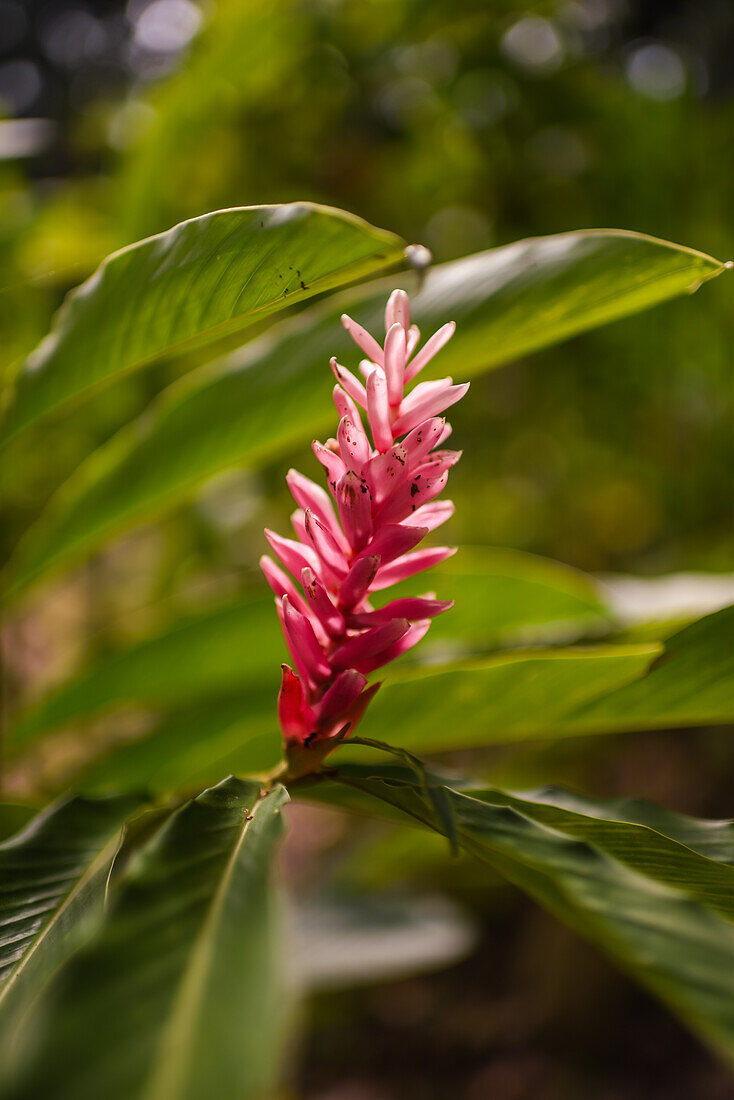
x,y
148,947
152,898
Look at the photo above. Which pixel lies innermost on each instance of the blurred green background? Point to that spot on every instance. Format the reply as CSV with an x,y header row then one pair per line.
x,y
460,125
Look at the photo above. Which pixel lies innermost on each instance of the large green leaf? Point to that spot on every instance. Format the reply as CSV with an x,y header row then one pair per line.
x,y
517,695
506,302
660,909
523,694
499,595
52,874
511,696
176,996
504,597
204,279
691,684
687,681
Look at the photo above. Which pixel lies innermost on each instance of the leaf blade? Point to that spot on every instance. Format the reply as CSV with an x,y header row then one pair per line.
x,y
661,911
158,1004
51,873
686,681
524,693
203,279
507,302
498,596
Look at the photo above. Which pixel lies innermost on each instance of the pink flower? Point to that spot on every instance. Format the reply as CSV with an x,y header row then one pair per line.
x,y
362,536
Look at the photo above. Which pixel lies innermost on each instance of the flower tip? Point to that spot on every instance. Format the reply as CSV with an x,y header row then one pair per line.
x,y
397,296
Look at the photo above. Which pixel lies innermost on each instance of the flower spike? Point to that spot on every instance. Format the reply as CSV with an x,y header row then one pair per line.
x,y
361,537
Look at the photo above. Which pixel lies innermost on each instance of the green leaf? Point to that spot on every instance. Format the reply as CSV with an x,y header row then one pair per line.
x,y
661,910
691,684
512,696
176,996
13,816
504,597
506,302
687,681
52,874
204,279
238,647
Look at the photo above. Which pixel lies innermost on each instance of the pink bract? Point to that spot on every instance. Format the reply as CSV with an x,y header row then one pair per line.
x,y
361,537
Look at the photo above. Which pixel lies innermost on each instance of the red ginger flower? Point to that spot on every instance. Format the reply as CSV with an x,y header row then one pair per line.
x,y
385,496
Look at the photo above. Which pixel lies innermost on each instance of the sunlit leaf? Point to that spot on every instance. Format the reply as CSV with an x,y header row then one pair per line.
x,y
686,681
506,302
204,279
508,697
691,684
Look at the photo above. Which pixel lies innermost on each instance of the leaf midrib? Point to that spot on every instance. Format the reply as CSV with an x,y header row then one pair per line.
x,y
106,854
169,1068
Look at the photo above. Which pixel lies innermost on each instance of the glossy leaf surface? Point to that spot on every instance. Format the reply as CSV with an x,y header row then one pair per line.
x,y
659,908
177,994
506,302
52,877
204,279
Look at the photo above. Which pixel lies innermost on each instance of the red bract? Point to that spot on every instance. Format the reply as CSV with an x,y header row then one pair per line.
x,y
361,538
